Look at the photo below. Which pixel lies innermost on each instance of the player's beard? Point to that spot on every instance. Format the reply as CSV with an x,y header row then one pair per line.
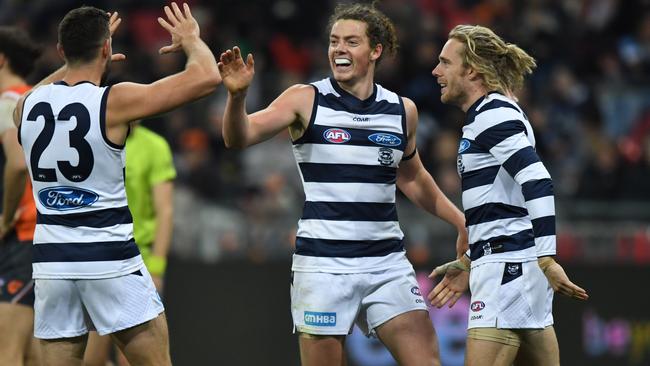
x,y
107,71
454,96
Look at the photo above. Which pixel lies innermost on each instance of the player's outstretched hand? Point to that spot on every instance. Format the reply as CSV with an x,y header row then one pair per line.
x,y
236,74
181,25
114,22
452,286
559,280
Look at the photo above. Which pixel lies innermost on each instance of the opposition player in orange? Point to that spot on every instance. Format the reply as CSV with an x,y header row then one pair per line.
x,y
17,56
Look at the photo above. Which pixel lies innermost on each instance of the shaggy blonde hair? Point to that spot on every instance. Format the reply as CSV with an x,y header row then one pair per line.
x,y
502,65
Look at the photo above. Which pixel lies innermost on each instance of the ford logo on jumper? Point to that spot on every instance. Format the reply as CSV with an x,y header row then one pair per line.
x,y
66,198
385,139
464,145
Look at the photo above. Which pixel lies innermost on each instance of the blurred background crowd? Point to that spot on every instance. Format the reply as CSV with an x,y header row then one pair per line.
x,y
588,101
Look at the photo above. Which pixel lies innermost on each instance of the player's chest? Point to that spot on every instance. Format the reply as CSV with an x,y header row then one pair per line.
x,y
472,157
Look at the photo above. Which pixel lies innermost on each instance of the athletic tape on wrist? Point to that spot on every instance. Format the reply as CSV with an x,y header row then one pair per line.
x,y
545,262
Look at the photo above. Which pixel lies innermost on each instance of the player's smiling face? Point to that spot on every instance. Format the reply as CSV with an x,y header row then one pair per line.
x,y
349,51
451,74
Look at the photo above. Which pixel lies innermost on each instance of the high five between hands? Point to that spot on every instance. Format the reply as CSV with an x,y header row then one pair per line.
x,y
456,281
181,25
237,76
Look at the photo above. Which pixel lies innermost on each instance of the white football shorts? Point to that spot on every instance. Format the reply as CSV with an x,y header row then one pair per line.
x,y
70,308
510,296
330,304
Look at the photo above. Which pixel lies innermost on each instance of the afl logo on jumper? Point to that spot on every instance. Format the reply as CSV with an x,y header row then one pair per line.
x,y
66,198
477,306
336,135
385,139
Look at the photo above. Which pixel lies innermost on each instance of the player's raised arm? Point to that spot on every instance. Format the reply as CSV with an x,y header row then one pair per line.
x,y
293,107
132,101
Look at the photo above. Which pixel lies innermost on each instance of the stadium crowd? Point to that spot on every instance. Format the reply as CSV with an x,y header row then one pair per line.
x,y
588,101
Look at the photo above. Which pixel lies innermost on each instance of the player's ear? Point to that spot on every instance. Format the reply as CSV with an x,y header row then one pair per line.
x,y
376,52
3,59
106,48
59,50
472,74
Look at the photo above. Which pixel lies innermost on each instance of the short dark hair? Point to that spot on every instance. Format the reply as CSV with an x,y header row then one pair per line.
x,y
19,49
82,32
379,28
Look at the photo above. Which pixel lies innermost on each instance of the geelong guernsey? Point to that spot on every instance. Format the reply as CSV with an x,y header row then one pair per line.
x,y
348,159
84,227
507,191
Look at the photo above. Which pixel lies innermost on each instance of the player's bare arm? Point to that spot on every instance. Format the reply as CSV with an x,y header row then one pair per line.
x,y
418,185
131,101
291,109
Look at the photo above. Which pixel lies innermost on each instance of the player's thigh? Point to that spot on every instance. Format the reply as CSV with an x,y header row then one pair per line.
x,y
410,338
325,303
324,307
34,353
115,304
147,343
539,347
98,350
16,327
394,309
491,347
129,308
63,351
388,294
322,350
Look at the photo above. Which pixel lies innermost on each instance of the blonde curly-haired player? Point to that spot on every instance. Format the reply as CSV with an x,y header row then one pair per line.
x,y
509,207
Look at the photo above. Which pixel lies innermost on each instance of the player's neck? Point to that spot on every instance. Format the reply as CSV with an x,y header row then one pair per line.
x,y
474,93
360,88
9,80
76,73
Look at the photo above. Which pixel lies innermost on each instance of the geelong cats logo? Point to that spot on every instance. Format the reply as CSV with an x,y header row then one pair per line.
x,y
386,156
